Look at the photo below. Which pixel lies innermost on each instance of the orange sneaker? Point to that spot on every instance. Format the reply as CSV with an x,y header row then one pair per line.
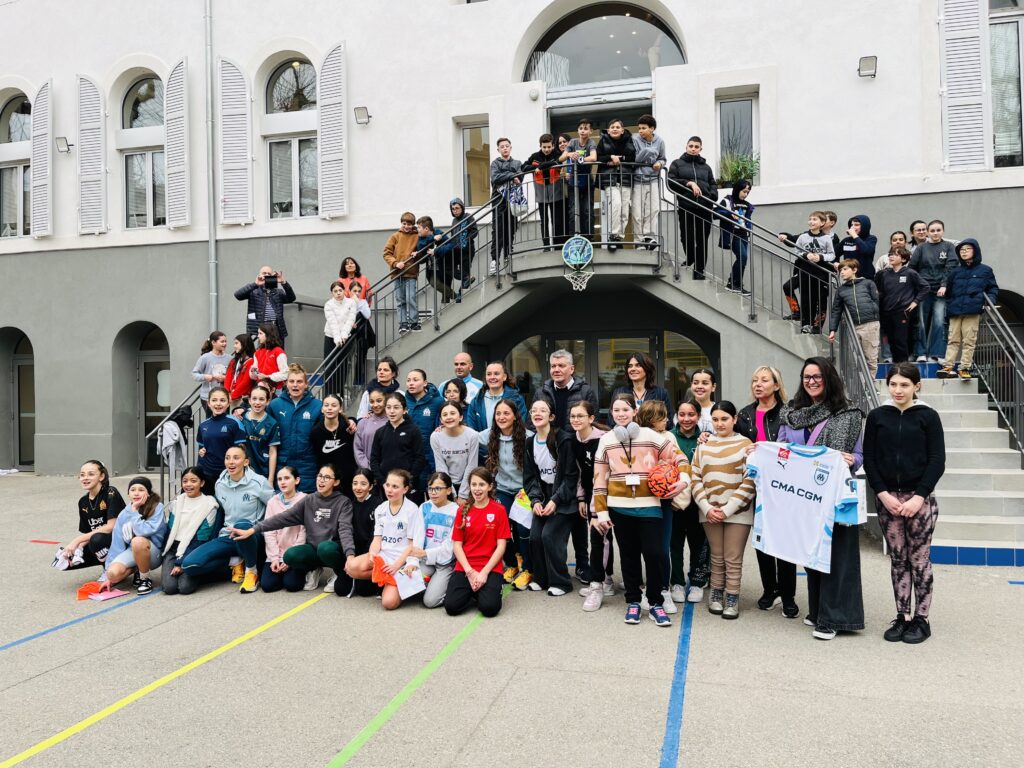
x,y
250,583
237,573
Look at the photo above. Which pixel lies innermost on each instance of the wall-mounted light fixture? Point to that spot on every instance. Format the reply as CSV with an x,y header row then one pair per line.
x,y
62,145
362,115
867,66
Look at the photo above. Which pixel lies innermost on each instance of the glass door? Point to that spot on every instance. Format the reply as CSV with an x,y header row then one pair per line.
x,y
25,408
155,397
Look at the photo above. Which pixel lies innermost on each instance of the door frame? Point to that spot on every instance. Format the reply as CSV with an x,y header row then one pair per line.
x,y
147,356
18,361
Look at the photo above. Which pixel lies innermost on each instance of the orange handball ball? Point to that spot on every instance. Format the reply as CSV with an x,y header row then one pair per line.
x,y
662,478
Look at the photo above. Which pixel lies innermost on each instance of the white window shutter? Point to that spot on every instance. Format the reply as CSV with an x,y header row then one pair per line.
x,y
966,107
331,105
92,159
235,145
179,200
42,161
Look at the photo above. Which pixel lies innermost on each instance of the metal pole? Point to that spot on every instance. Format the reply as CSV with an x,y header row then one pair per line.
x,y
211,204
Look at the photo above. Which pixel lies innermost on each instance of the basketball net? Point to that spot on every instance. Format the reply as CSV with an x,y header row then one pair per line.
x,y
578,279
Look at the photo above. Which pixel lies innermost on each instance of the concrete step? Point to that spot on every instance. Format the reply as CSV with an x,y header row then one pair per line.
x,y
990,437
956,402
969,419
978,503
982,458
957,479
961,529
947,386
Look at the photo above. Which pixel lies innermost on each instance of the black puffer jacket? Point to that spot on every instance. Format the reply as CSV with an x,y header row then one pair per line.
x,y
567,474
398,447
623,148
746,421
693,168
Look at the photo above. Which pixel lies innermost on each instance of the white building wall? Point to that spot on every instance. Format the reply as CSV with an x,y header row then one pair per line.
x,y
421,65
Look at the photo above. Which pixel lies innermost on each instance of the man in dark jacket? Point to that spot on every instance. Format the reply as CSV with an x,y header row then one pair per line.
x,y
966,289
563,389
860,244
267,297
693,182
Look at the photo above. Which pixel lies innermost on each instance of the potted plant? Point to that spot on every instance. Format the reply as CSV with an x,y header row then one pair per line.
x,y
736,166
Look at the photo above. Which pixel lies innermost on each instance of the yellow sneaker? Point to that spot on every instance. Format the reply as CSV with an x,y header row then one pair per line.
x,y
523,580
250,583
237,573
510,574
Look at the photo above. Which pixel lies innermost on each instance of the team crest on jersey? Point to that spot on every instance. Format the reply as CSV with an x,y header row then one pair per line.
x,y
490,517
224,429
306,415
401,526
103,505
821,474
783,457
246,497
426,411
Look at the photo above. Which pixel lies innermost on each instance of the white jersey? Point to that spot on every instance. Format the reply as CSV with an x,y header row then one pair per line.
x,y
801,490
396,530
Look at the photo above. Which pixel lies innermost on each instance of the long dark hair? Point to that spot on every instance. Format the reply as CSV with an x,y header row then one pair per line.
x,y
645,362
553,433
343,273
208,342
248,350
518,438
835,393
273,337
906,370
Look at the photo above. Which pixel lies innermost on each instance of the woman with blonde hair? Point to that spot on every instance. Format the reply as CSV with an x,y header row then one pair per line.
x,y
759,422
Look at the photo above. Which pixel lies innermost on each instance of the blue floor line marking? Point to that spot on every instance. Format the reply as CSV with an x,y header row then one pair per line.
x,y
1017,582
66,624
674,717
800,573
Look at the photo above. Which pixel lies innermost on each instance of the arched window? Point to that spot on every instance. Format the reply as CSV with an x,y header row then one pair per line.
x,y
16,120
601,43
16,172
292,87
144,164
292,146
144,104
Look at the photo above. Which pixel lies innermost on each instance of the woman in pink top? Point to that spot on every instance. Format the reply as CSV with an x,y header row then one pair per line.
x,y
276,573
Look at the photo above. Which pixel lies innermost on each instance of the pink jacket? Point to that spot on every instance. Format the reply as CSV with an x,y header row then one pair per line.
x,y
279,541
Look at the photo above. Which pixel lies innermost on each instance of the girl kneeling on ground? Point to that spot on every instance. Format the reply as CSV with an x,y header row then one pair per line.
x,y
97,511
481,530
194,518
435,552
398,526
138,538
276,573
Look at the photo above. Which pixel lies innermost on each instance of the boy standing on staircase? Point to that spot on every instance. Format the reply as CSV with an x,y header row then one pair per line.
x,y
966,289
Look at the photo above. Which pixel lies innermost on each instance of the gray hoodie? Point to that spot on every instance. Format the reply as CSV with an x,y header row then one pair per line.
x,y
324,518
934,262
647,154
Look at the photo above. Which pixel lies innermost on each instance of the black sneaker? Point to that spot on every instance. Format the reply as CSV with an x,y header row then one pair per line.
x,y
699,276
821,632
768,600
582,575
917,631
808,621
897,629
416,328
789,608
136,580
144,587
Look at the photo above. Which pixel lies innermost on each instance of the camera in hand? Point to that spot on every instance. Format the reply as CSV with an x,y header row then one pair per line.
x,y
270,283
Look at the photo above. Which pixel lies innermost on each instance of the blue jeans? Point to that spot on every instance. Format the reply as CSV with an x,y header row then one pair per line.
x,y
931,328
739,265
214,555
405,298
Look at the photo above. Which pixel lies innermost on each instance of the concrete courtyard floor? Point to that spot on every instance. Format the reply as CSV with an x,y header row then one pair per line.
x,y
543,684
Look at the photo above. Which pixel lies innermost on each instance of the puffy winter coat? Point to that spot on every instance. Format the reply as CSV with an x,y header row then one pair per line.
x,y
969,283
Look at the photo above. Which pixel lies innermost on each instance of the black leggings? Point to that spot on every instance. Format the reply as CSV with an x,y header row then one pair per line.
x,y
640,537
459,595
95,550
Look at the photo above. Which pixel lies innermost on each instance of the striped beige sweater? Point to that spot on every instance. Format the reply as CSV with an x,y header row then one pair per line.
x,y
719,479
612,465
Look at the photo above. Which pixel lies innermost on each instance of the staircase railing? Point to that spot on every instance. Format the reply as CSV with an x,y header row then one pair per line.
x,y
999,359
860,385
168,482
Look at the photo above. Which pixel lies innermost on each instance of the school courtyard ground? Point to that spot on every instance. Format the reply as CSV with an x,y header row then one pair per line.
x,y
307,679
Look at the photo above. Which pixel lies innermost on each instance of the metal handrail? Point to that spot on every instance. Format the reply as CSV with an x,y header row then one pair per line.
x,y
999,359
189,399
853,368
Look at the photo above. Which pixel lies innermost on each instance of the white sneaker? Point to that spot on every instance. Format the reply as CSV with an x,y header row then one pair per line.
x,y
78,558
533,586
644,605
694,594
666,601
922,358
609,587
59,561
556,591
678,593
595,596
313,579
330,583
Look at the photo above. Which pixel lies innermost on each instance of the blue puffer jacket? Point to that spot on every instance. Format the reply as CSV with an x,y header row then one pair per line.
x,y
969,283
476,412
424,414
297,421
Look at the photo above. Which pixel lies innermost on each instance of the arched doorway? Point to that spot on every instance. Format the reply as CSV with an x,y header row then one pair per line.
x,y
141,394
18,395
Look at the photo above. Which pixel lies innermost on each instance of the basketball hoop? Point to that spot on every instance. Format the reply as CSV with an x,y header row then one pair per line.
x,y
578,280
578,253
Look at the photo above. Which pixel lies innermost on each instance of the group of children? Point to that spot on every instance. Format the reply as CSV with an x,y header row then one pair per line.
x,y
922,300
446,514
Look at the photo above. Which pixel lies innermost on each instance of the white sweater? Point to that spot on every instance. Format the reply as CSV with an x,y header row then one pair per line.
x,y
339,316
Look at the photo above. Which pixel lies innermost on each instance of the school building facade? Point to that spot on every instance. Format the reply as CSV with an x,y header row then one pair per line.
x,y
152,160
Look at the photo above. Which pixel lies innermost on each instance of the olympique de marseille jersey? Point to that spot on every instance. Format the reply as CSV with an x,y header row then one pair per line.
x,y
801,490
